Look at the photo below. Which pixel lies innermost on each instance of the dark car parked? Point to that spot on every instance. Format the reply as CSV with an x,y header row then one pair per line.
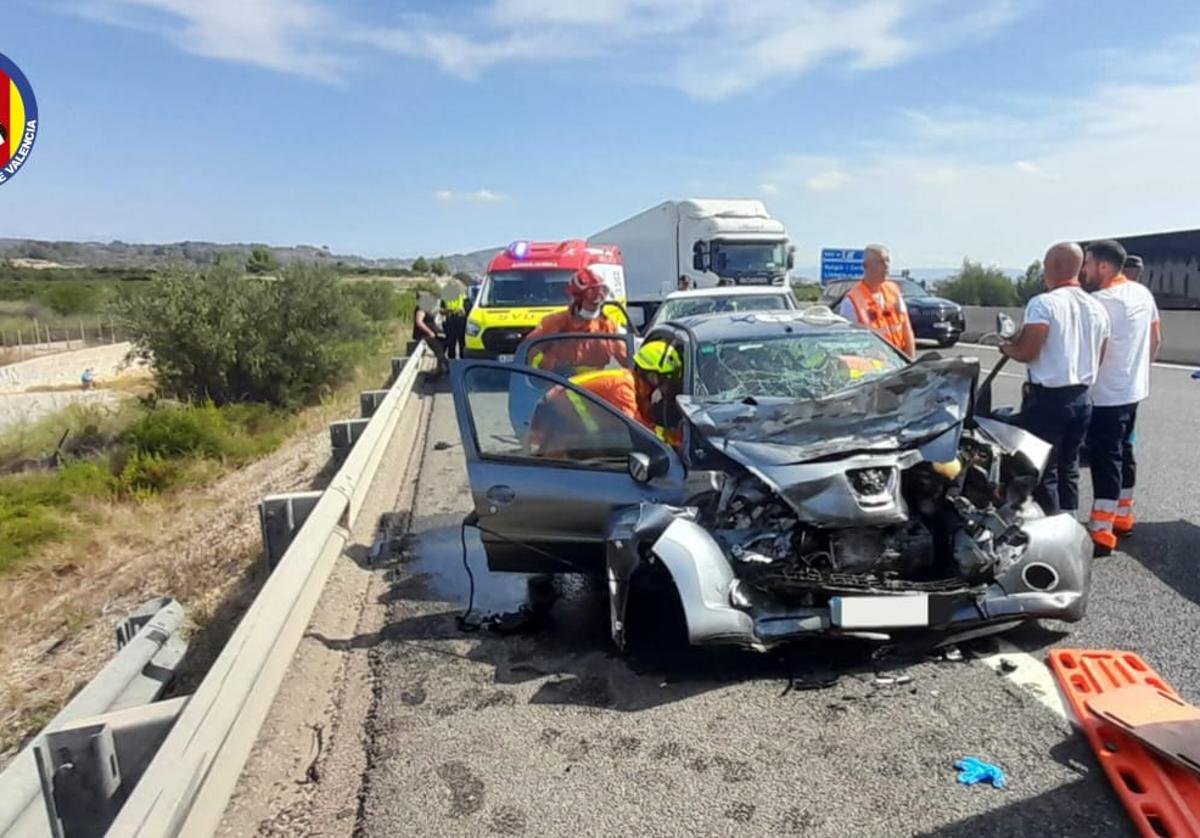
x,y
933,317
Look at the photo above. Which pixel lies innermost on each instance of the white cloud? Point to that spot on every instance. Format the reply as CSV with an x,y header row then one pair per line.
x,y
479,196
710,49
938,200
768,189
290,36
830,181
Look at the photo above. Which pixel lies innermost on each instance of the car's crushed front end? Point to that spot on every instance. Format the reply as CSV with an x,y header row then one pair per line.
x,y
879,511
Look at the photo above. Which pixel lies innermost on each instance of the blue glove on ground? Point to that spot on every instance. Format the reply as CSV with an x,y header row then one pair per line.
x,y
977,771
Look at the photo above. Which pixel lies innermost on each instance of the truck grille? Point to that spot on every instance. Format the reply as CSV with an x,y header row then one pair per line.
x,y
504,341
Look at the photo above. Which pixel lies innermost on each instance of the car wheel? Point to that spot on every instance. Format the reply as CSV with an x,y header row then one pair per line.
x,y
655,626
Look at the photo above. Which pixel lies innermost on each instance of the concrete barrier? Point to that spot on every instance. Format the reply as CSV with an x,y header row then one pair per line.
x,y
1181,331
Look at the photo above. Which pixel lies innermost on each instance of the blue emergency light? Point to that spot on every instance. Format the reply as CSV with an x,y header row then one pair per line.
x,y
518,249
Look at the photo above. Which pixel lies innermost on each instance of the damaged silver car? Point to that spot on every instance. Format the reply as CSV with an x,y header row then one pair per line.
x,y
825,486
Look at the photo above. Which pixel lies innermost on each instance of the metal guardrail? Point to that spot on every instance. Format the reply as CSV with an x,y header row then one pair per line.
x,y
187,786
150,647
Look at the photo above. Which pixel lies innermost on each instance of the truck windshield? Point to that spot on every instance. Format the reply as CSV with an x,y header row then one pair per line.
x,y
805,366
523,288
739,259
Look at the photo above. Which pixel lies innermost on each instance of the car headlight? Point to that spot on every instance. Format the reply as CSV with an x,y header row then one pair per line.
x,y
473,328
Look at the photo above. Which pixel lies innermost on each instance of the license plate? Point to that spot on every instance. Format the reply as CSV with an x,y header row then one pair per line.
x,y
868,612
504,359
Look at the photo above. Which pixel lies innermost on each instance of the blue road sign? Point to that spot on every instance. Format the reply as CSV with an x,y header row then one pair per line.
x,y
838,263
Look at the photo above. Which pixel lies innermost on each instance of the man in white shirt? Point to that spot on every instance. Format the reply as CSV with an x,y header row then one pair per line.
x,y
1062,343
1123,381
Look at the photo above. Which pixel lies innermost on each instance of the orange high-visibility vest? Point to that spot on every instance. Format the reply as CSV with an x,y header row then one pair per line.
x,y
616,387
888,320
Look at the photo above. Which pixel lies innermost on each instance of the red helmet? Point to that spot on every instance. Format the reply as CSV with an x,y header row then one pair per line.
x,y
587,290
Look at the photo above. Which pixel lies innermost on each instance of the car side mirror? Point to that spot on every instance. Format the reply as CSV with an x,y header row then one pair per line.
x,y
643,467
1005,327
698,257
791,257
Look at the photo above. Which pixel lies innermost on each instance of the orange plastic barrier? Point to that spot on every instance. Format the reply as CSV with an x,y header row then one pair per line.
x,y
1162,798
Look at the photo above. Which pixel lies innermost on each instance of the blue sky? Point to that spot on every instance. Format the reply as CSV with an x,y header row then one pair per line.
x,y
943,128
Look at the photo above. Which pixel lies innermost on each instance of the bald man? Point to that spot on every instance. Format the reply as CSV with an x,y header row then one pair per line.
x,y
1062,343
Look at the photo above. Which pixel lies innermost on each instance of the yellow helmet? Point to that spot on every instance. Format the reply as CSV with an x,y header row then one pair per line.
x,y
658,357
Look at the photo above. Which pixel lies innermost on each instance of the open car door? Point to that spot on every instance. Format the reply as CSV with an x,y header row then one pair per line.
x,y
547,472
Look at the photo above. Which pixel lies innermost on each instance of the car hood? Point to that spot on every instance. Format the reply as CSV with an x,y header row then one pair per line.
x,y
903,409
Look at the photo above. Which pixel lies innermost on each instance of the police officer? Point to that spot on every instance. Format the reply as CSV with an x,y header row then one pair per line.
x,y
877,302
424,328
1123,382
456,325
1062,343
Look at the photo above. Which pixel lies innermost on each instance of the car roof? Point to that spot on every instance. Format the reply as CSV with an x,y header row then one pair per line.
x,y
729,291
815,319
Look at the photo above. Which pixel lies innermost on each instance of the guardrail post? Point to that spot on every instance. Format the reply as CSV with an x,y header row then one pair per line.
x,y
343,435
88,767
281,516
138,673
368,402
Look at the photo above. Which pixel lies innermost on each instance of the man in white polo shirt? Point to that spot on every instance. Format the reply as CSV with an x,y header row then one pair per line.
x,y
1124,380
1062,343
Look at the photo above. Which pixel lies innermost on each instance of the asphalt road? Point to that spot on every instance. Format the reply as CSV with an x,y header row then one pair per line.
x,y
549,732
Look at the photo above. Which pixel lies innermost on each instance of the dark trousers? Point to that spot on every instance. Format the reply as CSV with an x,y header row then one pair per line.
x,y
1060,416
456,335
1110,450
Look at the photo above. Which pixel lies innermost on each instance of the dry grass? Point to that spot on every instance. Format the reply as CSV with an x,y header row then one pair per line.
x,y
201,546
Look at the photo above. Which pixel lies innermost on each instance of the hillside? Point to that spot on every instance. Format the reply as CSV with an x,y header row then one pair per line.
x,y
118,254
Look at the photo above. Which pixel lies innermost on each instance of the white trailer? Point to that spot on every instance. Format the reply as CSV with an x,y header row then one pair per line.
x,y
709,241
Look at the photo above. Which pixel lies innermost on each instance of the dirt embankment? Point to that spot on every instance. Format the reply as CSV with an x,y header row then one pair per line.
x,y
65,368
57,615
38,387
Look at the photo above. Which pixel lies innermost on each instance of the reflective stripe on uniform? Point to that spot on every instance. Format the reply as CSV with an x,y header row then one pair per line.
x,y
888,321
1104,514
581,407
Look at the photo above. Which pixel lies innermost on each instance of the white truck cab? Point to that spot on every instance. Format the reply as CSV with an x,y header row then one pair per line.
x,y
708,242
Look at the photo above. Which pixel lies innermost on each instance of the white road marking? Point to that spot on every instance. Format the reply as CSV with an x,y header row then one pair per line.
x,y
1031,673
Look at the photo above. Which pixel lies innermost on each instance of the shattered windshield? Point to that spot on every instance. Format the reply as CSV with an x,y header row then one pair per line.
x,y
910,404
798,366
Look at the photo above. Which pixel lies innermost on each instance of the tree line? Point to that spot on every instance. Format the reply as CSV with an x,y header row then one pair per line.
x,y
976,285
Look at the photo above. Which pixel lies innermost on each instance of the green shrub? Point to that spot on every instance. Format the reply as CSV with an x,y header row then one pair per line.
x,y
235,432
178,431
376,299
806,292
145,476
31,506
219,336
975,285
